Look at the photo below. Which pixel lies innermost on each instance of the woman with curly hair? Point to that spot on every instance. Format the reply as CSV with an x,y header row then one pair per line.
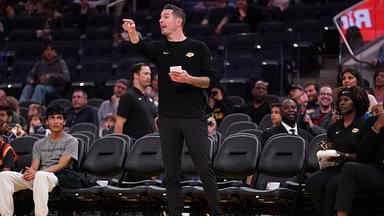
x,y
343,136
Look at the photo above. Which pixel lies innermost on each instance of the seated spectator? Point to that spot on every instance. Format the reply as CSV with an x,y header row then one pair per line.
x,y
35,126
218,104
378,79
7,155
52,20
33,7
80,111
343,136
288,112
81,11
318,121
35,109
275,114
215,16
311,89
108,124
350,77
321,115
258,107
13,104
241,14
8,133
8,116
110,106
367,175
50,155
46,78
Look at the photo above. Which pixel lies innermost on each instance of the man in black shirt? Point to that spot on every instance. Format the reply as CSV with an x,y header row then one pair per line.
x,y
136,111
259,106
80,111
185,71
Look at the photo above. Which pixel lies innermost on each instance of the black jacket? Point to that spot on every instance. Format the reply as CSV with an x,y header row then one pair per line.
x,y
280,129
371,149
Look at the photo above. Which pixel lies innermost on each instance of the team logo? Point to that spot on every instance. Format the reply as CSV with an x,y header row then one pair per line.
x,y
355,130
190,54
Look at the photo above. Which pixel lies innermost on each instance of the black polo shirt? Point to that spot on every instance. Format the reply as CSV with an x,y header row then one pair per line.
x,y
139,110
345,139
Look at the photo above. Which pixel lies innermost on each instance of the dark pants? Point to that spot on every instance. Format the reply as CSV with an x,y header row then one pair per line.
x,y
322,188
356,177
173,132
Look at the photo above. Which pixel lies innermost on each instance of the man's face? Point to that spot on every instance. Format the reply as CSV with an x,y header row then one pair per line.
x,y
144,76
325,96
78,100
259,91
169,22
49,53
311,93
119,89
56,123
288,112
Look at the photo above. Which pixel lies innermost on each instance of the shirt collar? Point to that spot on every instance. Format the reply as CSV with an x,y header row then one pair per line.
x,y
288,128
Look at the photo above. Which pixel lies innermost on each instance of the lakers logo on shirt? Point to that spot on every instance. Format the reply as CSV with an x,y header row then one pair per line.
x,y
190,54
355,130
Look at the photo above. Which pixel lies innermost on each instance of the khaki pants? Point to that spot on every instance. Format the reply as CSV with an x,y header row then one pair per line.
x,y
11,182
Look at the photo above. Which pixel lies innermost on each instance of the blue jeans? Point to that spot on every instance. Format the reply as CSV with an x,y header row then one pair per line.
x,y
36,93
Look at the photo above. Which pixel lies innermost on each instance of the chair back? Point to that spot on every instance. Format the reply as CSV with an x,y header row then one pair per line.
x,y
236,127
256,132
83,126
283,156
23,147
105,157
237,156
265,122
313,147
231,118
187,165
145,157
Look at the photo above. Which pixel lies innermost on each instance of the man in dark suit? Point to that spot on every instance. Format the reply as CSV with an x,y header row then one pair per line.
x,y
288,112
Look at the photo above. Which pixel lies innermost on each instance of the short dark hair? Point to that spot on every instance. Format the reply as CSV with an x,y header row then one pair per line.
x,y
273,105
55,109
315,84
7,109
137,67
85,95
176,10
359,97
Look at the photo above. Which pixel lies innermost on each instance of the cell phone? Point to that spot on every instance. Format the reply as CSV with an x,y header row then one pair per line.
x,y
176,68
